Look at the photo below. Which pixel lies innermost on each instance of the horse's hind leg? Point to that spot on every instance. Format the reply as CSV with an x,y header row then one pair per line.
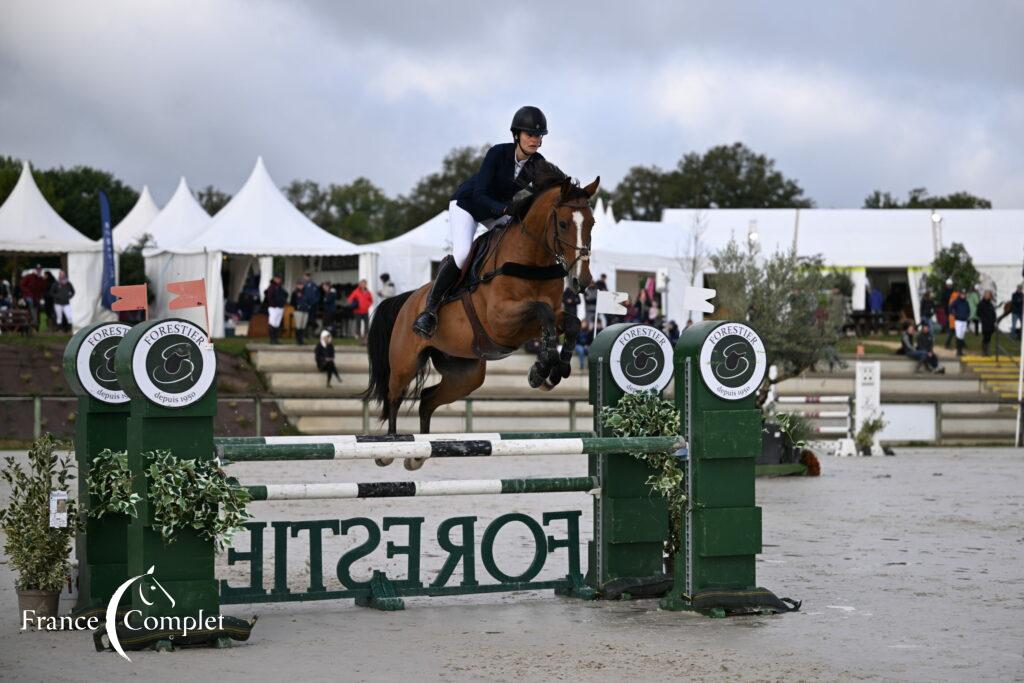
x,y
403,371
459,378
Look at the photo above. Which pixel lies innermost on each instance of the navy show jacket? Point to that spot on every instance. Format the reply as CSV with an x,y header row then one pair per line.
x,y
486,194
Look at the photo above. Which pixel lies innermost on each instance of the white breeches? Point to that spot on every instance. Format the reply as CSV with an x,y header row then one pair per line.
x,y
464,228
275,316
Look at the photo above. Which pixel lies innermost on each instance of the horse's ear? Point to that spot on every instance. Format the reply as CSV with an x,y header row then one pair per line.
x,y
592,187
566,187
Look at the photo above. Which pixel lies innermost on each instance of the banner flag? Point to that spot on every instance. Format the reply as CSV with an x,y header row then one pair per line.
x,y
108,253
130,298
190,294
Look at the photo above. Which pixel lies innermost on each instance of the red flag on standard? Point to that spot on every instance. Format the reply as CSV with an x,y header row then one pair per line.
x,y
130,298
191,293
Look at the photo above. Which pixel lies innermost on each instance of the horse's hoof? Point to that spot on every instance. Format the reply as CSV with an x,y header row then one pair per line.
x,y
412,464
566,369
546,386
536,376
383,462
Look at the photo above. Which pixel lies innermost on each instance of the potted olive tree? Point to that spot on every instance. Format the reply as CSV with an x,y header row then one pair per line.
x,y
39,552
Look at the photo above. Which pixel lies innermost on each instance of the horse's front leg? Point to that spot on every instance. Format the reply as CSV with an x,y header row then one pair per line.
x,y
547,357
570,324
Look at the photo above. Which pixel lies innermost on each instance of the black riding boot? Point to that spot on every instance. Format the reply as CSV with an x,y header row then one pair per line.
x,y
447,275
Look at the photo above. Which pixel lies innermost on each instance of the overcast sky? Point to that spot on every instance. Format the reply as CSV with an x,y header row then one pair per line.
x,y
846,97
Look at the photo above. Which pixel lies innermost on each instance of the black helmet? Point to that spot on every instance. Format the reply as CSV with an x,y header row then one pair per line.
x,y
530,120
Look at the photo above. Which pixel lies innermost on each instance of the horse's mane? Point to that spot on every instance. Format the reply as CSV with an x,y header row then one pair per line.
x,y
544,175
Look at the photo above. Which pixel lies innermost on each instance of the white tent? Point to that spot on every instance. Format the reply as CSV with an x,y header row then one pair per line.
x,y
179,221
259,221
29,225
134,225
408,258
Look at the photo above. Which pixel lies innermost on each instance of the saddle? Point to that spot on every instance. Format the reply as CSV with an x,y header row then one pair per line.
x,y
474,274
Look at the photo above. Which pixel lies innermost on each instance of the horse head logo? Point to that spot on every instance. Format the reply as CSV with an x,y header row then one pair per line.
x,y
105,370
643,361
146,583
177,365
734,362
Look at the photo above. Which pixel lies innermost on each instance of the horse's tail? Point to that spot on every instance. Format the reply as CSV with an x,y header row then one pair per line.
x,y
378,347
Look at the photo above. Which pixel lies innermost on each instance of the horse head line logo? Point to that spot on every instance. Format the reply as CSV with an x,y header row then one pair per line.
x,y
177,365
644,361
115,600
105,372
732,356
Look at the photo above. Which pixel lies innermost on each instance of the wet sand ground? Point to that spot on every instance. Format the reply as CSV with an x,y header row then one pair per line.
x,y
911,568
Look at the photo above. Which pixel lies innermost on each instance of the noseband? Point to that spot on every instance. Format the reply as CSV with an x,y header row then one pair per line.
x,y
582,250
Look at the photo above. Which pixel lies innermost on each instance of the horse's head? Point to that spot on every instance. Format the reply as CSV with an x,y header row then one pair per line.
x,y
567,220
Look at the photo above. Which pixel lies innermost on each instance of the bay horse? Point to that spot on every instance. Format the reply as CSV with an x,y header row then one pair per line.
x,y
519,299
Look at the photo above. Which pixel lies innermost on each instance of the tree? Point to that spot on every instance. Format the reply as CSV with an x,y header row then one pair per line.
x,y
733,176
952,262
430,196
784,297
211,199
726,176
640,195
918,198
359,211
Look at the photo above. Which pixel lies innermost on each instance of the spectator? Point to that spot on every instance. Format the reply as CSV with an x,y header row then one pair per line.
x,y
973,297
672,332
300,311
1017,312
51,315
961,313
570,302
60,294
329,296
950,317
942,306
311,297
6,295
33,287
584,340
361,300
927,308
654,315
987,318
387,287
926,345
602,282
324,353
875,303
274,299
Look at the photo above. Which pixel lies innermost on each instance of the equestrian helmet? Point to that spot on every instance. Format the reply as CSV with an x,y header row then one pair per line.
x,y
530,120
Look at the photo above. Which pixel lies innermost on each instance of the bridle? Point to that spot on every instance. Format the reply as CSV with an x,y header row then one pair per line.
x,y
559,244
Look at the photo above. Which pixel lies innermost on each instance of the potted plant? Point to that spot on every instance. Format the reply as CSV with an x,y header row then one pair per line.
x,y
39,552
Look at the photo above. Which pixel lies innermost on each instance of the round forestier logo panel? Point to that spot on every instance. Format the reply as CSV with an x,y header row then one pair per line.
x,y
94,363
173,364
641,359
733,361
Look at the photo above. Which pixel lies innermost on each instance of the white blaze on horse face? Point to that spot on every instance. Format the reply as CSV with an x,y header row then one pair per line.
x,y
577,218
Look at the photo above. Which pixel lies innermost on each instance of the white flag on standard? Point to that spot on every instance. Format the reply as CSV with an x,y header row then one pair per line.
x,y
610,303
696,299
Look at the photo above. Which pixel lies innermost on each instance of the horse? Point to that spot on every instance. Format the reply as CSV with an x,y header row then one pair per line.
x,y
548,239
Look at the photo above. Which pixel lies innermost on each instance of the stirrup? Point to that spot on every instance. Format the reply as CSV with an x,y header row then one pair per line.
x,y
425,324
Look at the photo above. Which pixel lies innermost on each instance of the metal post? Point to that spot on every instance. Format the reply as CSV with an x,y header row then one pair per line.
x,y
37,416
366,416
469,415
572,415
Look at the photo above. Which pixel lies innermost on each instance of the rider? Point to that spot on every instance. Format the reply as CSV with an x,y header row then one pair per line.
x,y
485,198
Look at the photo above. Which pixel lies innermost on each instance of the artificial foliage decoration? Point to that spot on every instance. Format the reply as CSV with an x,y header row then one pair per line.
x,y
865,436
795,428
110,482
38,552
646,414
